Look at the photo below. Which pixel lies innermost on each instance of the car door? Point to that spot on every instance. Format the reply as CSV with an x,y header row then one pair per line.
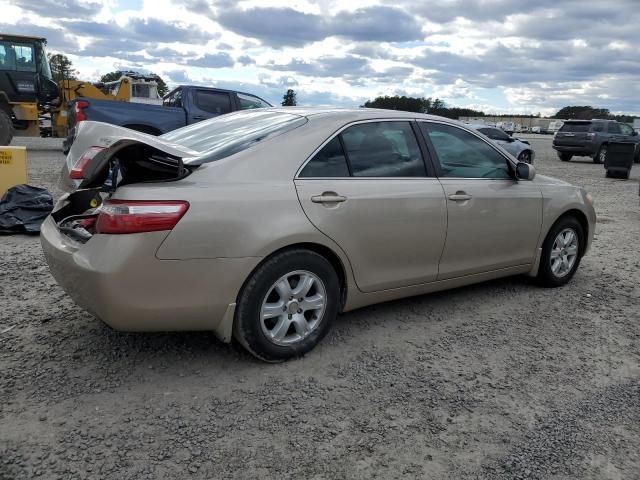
x,y
207,104
494,221
368,189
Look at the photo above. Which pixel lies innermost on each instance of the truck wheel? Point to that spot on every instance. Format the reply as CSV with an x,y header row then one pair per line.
x,y
6,128
601,156
565,157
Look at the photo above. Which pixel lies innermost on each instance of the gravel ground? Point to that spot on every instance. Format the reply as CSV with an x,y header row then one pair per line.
x,y
499,380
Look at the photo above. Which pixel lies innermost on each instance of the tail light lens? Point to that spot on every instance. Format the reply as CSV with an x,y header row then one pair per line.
x,y
77,172
79,110
138,216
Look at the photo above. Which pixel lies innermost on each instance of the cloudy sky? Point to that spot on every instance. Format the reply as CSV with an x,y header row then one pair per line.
x,y
494,55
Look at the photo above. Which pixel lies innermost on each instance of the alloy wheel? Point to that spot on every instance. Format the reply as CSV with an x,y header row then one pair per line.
x,y
293,307
564,252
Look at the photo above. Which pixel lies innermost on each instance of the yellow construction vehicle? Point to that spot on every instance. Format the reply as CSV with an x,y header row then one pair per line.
x,y
25,83
32,104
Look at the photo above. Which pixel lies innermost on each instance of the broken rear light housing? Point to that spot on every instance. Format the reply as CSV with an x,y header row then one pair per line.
x,y
77,172
139,216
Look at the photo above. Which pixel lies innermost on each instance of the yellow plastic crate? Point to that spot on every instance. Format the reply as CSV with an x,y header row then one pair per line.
x,y
13,167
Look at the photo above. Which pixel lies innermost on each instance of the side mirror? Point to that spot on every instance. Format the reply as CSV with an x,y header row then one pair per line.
x,y
525,171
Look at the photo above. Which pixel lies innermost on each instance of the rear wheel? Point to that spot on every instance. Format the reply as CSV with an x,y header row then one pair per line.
x,y
525,157
6,128
561,253
287,305
565,157
601,156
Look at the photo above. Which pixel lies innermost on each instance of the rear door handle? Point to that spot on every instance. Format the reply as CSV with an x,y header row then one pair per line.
x,y
328,197
460,197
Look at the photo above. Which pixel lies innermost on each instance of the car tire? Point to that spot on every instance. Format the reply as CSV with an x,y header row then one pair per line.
x,y
557,266
601,154
607,174
525,156
296,330
6,128
565,157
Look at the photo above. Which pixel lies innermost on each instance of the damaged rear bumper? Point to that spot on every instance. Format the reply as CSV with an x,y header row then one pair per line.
x,y
118,279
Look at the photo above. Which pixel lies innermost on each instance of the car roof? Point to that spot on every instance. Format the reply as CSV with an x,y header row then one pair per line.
x,y
352,114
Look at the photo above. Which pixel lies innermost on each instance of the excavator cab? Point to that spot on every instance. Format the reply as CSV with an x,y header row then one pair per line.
x,y
25,82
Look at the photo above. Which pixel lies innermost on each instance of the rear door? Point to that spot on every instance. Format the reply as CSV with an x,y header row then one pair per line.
x,y
207,104
494,221
368,188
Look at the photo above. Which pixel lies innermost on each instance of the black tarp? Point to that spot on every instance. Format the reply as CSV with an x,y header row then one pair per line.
x,y
23,209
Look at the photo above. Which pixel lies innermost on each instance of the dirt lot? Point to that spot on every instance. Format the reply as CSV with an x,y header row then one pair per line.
x,y
499,380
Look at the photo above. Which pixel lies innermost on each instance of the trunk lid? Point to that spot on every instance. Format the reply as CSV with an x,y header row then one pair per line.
x,y
114,139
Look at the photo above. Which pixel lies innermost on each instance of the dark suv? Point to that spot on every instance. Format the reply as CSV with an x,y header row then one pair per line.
x,y
591,137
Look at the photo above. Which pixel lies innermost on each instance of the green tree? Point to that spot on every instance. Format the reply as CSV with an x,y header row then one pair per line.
x,y
115,75
62,68
421,105
585,112
289,99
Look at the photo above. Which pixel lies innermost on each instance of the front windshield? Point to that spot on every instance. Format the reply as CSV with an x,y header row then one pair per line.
x,y
228,134
17,56
41,55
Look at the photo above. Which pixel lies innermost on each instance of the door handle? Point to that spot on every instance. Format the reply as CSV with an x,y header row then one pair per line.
x,y
460,197
328,197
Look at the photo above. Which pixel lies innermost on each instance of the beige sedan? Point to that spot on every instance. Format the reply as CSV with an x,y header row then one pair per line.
x,y
264,225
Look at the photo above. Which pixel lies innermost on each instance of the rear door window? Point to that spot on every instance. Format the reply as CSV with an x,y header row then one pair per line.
x,y
597,127
212,102
328,162
383,149
613,128
173,100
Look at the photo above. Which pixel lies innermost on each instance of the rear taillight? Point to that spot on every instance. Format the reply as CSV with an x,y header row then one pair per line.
x,y
137,216
77,172
79,110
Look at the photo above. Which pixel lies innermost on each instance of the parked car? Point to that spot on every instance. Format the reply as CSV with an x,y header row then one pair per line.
x,y
263,225
591,137
182,106
555,126
520,149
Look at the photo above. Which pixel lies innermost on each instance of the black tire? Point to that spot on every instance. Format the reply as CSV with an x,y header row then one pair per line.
x,y
546,277
564,156
6,128
247,327
525,157
607,174
601,154
636,159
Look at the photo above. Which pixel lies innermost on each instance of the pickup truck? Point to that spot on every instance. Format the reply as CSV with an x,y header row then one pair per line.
x,y
180,107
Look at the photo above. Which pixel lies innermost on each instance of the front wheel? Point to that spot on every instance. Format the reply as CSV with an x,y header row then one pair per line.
x,y
525,157
287,305
565,157
561,253
601,156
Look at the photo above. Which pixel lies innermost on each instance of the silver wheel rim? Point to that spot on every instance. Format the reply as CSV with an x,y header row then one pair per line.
x,y
293,307
564,252
524,157
603,154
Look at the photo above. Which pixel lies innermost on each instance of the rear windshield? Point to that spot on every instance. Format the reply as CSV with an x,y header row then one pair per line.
x,y
575,127
229,134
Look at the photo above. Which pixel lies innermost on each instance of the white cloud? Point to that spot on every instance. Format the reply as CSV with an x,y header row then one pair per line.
x,y
540,57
